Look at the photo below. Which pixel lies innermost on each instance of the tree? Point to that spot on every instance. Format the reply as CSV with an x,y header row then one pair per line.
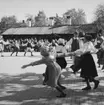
x,y
77,16
81,17
40,19
8,22
99,12
99,16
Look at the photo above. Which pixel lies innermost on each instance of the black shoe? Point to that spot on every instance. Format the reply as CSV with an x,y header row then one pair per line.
x,y
96,84
61,95
87,88
63,87
43,74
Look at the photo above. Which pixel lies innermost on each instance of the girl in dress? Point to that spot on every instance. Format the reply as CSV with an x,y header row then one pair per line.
x,y
87,64
60,48
54,70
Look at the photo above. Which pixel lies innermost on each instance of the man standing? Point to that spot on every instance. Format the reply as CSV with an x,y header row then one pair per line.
x,y
75,43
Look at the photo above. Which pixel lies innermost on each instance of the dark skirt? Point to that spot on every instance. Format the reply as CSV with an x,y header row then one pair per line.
x,y
62,62
88,67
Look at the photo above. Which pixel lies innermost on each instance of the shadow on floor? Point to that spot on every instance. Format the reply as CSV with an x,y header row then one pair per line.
x,y
27,89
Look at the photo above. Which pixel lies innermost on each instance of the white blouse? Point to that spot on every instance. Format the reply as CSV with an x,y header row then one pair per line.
x,y
87,47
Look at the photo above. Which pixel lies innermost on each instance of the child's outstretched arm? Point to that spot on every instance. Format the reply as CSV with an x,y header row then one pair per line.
x,y
33,63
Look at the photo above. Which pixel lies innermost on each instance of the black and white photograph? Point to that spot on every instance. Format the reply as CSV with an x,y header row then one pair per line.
x,y
51,52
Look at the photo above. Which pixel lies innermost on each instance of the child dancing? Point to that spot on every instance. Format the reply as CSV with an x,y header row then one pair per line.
x,y
54,70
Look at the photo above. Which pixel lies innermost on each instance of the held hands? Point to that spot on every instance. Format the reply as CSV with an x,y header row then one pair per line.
x,y
71,53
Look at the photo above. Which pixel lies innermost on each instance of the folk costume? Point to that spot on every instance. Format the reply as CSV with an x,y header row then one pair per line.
x,y
54,70
87,64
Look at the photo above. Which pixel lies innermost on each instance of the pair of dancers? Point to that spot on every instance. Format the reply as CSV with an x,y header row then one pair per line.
x,y
87,65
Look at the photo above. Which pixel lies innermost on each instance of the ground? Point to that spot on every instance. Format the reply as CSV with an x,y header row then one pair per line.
x,y
24,86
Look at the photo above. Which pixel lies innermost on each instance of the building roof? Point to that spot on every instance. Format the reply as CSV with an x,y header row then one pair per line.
x,y
88,28
27,31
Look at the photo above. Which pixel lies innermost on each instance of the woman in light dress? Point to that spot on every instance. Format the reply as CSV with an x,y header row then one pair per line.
x,y
54,70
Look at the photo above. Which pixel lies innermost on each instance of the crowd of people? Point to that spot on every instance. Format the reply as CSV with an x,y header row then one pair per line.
x,y
53,53
21,45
